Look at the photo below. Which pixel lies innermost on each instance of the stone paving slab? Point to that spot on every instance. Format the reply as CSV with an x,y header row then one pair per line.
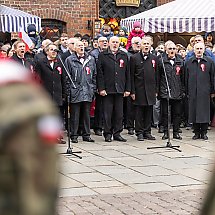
x,y
128,179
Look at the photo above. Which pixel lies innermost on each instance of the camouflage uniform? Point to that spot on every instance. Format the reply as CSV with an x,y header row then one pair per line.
x,y
209,203
28,174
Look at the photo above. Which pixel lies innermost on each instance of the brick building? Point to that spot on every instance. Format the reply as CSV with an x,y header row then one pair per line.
x,y
74,16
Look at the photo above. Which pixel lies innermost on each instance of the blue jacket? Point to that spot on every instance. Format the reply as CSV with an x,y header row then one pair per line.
x,y
207,53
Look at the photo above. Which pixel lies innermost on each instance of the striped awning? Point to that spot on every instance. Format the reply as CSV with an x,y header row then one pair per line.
x,y
176,16
12,19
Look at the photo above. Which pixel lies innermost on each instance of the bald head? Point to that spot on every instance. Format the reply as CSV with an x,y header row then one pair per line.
x,y
199,49
71,43
114,44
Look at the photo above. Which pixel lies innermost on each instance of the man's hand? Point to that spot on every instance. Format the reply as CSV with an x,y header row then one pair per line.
x,y
103,93
133,96
212,95
126,94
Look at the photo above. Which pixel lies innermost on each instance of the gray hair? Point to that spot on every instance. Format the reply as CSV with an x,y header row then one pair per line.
x,y
134,39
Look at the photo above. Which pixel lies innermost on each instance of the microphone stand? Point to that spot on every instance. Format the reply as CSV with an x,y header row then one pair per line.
x,y
168,144
69,150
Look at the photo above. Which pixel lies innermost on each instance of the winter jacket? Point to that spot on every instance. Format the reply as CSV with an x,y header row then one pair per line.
x,y
83,76
175,77
132,34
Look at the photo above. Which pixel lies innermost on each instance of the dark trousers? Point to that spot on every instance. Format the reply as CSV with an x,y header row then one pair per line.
x,y
130,112
98,117
75,110
143,119
61,110
200,128
175,113
113,114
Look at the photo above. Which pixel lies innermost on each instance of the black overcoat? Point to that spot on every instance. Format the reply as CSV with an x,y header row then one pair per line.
x,y
199,78
53,80
113,73
143,78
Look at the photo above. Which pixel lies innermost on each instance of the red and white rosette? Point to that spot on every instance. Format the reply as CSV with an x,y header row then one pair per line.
x,y
153,63
59,70
178,70
121,63
88,70
202,67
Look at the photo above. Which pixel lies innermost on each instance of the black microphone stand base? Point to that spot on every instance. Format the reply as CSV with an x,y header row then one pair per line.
x,y
69,152
168,145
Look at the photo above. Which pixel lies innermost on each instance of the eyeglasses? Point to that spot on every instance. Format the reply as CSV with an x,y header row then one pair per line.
x,y
197,40
172,48
104,41
72,43
54,50
137,43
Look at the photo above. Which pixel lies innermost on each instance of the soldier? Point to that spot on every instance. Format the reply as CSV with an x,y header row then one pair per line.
x,y
209,202
29,127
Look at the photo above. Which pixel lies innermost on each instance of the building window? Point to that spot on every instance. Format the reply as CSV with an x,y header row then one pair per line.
x,y
52,29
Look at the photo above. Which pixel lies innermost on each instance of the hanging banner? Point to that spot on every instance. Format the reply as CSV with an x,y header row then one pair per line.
x,y
131,3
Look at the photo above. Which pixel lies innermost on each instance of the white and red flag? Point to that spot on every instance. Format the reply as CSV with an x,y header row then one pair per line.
x,y
26,39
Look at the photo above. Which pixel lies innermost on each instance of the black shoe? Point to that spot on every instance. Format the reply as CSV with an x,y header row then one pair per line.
x,y
177,136
108,138
88,139
74,140
161,129
154,125
148,137
61,141
196,136
131,131
179,130
98,132
119,138
140,137
204,137
165,136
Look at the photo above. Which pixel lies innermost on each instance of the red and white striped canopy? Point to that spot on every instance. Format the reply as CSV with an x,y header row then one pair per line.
x,y
176,16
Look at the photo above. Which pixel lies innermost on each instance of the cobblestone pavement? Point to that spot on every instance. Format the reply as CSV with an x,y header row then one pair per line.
x,y
166,203
126,178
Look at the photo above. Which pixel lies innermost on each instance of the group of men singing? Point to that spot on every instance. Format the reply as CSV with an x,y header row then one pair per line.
x,y
109,75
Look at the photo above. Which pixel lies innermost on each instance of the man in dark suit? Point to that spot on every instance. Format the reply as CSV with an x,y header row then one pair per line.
x,y
171,67
52,76
113,81
143,89
199,88
19,55
98,119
